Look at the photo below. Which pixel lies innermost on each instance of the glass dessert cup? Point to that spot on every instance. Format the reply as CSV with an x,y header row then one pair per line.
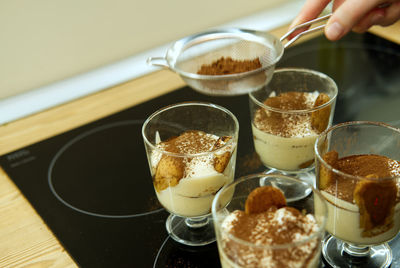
x,y
287,116
191,150
358,173
280,241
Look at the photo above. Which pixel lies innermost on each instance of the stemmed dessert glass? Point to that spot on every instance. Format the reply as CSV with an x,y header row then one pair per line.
x,y
287,115
191,150
363,199
282,243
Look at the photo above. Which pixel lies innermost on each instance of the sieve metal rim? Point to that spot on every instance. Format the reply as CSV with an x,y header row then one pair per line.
x,y
263,38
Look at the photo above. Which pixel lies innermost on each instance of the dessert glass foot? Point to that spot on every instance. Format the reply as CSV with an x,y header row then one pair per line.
x,y
341,254
191,231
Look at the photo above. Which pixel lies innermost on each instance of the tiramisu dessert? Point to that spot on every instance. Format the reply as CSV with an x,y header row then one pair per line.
x,y
363,210
283,135
189,169
268,233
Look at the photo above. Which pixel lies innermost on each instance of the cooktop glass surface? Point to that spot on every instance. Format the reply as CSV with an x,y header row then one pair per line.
x,y
92,185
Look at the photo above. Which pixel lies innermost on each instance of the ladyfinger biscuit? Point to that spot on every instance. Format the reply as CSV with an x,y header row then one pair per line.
x,y
263,198
327,177
376,200
320,118
169,171
221,160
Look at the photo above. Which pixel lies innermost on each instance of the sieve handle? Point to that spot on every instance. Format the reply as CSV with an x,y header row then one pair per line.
x,y
305,24
158,61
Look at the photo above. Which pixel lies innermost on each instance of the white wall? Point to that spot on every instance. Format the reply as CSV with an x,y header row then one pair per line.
x,y
44,41
55,51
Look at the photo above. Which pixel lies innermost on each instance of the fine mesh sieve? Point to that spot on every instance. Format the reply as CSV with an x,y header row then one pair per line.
x,y
186,56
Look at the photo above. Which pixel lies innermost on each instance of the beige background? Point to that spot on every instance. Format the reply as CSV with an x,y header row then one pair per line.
x,y
44,41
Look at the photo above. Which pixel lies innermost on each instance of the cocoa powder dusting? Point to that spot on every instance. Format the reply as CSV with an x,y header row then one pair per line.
x,y
286,124
290,101
273,227
368,166
224,66
190,142
365,165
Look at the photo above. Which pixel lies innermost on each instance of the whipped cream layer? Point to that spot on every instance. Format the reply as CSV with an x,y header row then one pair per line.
x,y
344,222
284,153
193,196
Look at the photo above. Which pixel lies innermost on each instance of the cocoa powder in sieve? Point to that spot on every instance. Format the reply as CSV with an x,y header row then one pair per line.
x,y
224,66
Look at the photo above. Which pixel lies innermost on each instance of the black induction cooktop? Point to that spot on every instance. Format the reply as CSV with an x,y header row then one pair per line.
x,y
92,185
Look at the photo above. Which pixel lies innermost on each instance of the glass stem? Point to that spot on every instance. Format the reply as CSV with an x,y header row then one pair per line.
x,y
196,222
356,251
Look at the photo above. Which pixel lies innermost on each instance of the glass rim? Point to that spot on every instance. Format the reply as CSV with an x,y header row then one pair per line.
x,y
231,142
304,70
319,232
326,132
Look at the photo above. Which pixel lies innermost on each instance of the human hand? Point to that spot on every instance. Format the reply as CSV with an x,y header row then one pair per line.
x,y
347,15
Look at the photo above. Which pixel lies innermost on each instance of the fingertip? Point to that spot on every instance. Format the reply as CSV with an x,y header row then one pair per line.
x,y
334,31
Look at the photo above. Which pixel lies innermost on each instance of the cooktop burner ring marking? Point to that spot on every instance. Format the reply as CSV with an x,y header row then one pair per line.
x,y
71,142
159,251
